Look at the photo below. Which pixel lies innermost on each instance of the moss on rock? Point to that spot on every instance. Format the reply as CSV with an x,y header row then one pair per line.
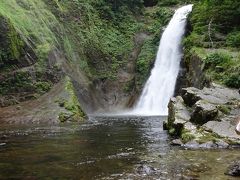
x,y
73,110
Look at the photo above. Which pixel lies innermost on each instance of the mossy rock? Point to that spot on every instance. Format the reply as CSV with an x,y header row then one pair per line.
x,y
71,105
11,45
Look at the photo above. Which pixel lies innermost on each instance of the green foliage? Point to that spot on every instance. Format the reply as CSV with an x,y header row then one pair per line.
x,y
224,109
187,136
114,8
157,18
11,45
224,15
32,20
213,26
19,82
42,87
168,2
73,111
144,61
233,80
63,117
223,68
73,104
217,28
217,59
193,39
172,131
206,137
22,82
233,39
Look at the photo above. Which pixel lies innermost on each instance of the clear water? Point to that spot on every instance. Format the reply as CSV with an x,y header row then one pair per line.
x,y
161,84
105,148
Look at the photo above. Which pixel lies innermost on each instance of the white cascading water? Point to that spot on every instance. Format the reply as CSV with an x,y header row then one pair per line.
x,y
161,84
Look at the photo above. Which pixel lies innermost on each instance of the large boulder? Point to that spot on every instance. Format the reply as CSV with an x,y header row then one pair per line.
x,y
178,115
217,95
224,129
207,116
203,112
190,95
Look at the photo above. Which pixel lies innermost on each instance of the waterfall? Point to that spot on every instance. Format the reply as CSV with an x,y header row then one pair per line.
x,y
161,84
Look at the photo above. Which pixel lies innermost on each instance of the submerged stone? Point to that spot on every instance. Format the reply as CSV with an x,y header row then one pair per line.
x,y
234,169
146,170
222,144
208,145
176,142
192,145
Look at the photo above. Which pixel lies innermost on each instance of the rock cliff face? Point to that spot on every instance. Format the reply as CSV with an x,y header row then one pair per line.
x,y
105,53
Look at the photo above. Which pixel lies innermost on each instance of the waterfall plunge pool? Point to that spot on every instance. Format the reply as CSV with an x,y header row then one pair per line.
x,y
105,148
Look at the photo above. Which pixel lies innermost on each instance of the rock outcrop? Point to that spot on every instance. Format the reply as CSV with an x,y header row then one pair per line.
x,y
207,117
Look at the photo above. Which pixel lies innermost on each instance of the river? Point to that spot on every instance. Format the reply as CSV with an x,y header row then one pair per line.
x,y
126,147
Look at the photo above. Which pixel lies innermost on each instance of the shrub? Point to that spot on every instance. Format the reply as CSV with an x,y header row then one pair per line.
x,y
42,87
217,59
233,39
233,80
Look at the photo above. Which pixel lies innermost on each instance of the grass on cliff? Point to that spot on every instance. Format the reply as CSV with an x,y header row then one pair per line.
x,y
39,28
32,21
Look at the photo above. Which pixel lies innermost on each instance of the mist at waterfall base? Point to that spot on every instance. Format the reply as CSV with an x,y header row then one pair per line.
x,y
161,84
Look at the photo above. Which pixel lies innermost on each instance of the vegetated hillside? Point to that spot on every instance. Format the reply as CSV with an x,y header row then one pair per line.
x,y
214,38
106,48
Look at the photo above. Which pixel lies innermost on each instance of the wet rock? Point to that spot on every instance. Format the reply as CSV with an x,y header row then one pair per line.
x,y
176,142
190,127
208,145
178,114
146,170
223,129
237,129
190,95
65,116
215,95
191,145
213,110
204,112
234,169
222,144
